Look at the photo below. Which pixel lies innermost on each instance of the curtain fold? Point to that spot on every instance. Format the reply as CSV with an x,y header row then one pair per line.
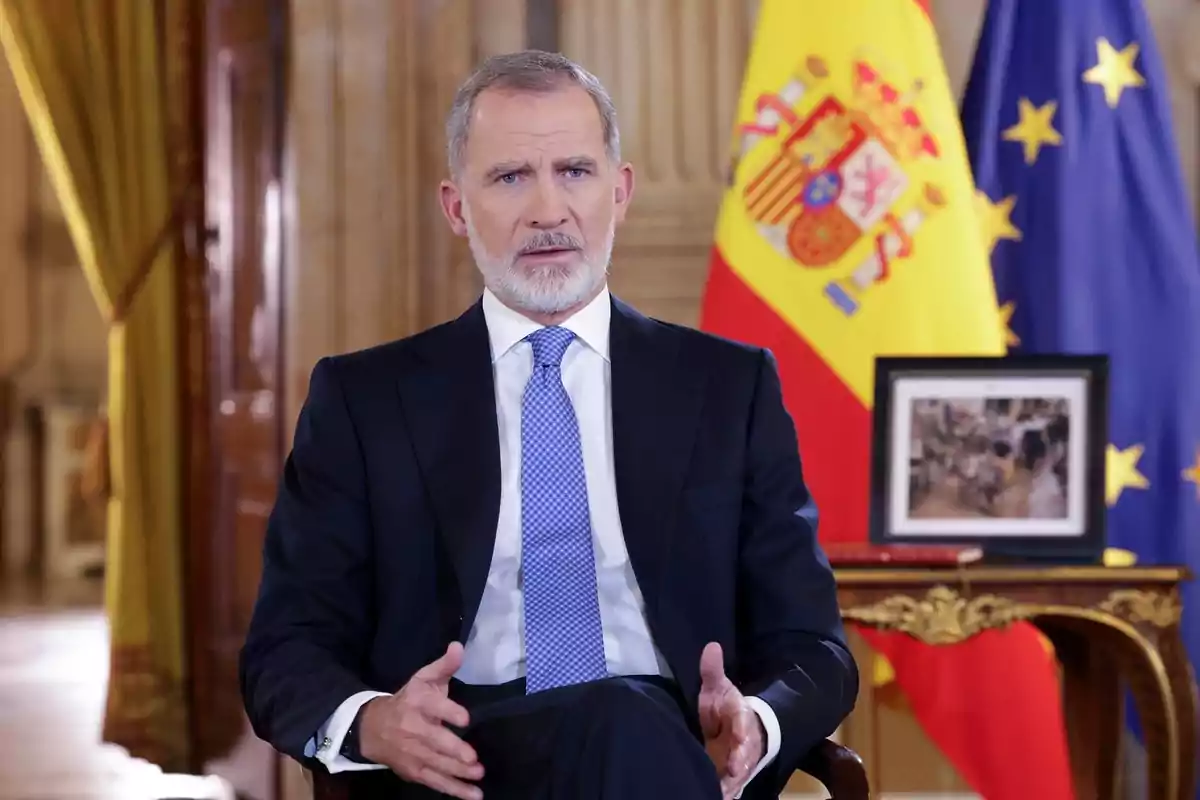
x,y
92,78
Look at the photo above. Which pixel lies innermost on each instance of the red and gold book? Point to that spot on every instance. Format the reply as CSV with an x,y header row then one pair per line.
x,y
860,554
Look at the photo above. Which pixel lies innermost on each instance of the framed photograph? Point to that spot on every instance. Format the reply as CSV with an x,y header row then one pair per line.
x,y
1005,453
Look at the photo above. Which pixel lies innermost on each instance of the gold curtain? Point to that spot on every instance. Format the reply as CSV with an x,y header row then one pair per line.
x,y
93,80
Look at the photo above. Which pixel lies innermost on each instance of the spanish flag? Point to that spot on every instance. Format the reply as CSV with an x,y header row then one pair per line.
x,y
849,230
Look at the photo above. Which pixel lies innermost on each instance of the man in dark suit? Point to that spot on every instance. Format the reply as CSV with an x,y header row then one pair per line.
x,y
552,548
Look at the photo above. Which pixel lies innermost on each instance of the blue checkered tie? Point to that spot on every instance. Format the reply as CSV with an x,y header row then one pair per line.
x,y
564,642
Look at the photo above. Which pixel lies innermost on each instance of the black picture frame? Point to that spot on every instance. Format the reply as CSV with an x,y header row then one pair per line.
x,y
928,401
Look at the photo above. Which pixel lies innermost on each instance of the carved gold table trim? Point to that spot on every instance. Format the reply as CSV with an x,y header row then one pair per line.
x,y
1107,624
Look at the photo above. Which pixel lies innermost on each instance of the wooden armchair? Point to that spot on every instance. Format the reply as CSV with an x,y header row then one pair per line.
x,y
838,768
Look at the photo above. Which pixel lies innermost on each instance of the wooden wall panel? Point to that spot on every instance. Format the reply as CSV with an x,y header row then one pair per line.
x,y
312,273
372,217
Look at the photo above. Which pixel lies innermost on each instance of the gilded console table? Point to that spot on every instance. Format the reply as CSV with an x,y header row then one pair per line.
x,y
1108,626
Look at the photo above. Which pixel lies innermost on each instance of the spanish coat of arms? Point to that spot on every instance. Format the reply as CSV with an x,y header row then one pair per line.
x,y
839,175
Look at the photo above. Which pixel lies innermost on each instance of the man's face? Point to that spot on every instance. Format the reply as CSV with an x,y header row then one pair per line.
x,y
538,198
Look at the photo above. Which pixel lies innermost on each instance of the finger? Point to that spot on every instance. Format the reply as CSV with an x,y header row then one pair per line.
x,y
705,701
443,709
445,765
735,773
444,741
710,721
729,787
723,714
740,716
444,668
447,785
737,765
712,666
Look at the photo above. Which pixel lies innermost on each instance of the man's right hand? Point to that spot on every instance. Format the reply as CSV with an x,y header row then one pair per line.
x,y
405,732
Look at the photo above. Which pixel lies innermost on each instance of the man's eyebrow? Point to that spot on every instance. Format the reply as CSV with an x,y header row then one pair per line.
x,y
576,162
507,167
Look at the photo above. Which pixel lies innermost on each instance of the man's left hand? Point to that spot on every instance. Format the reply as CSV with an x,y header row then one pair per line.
x,y
733,733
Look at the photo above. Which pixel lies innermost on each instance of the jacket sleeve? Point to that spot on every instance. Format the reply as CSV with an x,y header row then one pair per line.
x,y
792,650
312,620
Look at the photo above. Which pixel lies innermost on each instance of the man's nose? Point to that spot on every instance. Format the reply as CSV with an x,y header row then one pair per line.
x,y
548,206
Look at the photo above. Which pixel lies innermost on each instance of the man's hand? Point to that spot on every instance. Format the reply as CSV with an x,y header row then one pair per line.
x,y
733,734
405,732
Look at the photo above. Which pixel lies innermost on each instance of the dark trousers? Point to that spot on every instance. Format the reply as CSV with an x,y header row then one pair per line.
x,y
616,739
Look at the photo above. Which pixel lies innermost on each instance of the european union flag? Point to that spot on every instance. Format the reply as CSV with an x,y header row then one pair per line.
x,y
1094,244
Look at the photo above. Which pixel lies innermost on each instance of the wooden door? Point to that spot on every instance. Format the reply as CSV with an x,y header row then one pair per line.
x,y
245,110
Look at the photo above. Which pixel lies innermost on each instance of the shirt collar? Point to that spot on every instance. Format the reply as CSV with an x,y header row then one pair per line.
x,y
507,327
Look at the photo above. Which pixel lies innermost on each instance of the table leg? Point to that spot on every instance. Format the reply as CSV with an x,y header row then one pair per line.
x,y
1142,668
1091,709
1183,689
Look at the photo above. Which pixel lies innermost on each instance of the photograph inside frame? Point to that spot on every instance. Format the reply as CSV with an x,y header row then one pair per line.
x,y
989,457
998,456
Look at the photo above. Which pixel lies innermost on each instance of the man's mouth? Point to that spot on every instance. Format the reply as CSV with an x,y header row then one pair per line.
x,y
547,251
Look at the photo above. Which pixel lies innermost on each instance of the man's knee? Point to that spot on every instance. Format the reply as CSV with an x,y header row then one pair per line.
x,y
635,708
621,697
635,735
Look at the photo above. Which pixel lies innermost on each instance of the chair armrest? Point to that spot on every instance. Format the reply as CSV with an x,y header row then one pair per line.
x,y
839,769
327,787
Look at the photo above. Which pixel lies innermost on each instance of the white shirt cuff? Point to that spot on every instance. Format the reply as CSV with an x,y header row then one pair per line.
x,y
333,733
770,724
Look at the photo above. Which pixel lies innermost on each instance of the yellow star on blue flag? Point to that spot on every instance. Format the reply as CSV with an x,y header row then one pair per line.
x,y
1106,260
1114,70
1192,473
1035,128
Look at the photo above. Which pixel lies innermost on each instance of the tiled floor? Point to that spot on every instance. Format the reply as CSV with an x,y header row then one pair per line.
x,y
53,668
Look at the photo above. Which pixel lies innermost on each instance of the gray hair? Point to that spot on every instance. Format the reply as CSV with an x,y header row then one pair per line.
x,y
526,71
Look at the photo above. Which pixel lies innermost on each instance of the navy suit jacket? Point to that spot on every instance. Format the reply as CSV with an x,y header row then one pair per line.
x,y
381,538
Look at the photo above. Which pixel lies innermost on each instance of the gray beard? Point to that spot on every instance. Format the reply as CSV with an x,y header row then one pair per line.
x,y
548,290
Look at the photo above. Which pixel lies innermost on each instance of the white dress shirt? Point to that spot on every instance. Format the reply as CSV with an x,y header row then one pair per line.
x,y
494,652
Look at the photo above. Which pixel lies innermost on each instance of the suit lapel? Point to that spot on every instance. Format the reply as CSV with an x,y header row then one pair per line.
x,y
449,405
656,400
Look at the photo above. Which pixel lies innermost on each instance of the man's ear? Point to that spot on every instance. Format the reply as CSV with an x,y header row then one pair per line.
x,y
452,207
623,192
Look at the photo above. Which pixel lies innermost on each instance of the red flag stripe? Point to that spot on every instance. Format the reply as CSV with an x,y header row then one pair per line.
x,y
833,426
983,700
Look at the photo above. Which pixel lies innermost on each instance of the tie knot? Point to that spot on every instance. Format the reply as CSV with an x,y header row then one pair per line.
x,y
549,344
